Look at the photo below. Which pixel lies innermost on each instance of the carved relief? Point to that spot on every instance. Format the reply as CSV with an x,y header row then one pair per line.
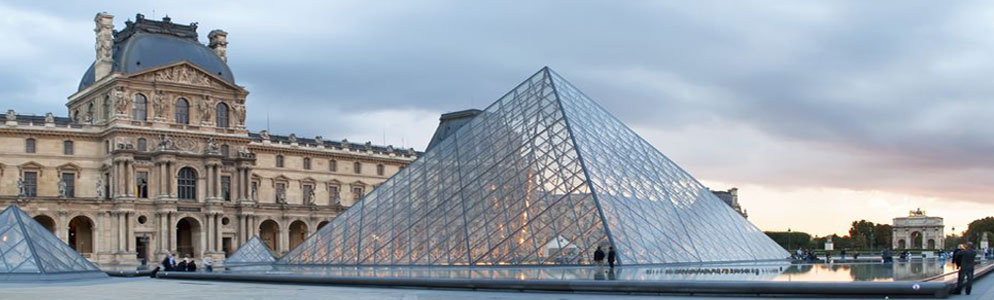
x,y
186,144
183,74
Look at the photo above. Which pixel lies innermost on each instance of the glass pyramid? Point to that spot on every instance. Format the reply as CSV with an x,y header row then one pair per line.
x,y
543,176
28,251
253,252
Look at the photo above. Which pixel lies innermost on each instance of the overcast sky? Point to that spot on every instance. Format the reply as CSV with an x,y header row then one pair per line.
x,y
821,112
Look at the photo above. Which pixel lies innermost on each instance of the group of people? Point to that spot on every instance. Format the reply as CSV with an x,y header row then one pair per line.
x,y
805,255
599,257
188,264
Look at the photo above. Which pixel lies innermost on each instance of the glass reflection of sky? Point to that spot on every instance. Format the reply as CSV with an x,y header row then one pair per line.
x,y
767,271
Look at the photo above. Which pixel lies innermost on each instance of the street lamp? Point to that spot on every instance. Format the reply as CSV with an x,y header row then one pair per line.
x,y
788,239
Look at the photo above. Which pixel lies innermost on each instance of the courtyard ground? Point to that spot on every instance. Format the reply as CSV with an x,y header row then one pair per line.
x,y
147,288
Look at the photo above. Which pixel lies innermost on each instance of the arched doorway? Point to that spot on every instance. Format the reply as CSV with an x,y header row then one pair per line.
x,y
269,232
81,234
188,237
931,244
901,244
916,240
46,222
320,225
298,233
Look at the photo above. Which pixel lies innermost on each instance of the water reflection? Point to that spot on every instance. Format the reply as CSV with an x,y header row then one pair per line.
x,y
897,271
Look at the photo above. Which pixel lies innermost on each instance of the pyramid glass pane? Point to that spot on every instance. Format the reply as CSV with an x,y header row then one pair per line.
x,y
542,176
253,252
28,248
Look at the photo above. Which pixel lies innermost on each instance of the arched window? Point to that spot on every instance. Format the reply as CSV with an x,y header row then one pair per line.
x,y
332,165
222,115
182,111
67,148
224,150
139,110
142,145
357,167
279,161
307,163
186,184
29,145
379,169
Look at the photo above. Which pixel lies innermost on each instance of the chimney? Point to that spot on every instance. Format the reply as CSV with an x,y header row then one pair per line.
x,y
219,42
105,44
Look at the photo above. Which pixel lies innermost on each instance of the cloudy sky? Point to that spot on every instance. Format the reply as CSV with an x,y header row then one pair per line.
x,y
820,112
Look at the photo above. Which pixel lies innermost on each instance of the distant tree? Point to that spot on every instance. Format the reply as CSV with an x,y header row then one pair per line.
x,y
884,236
976,229
796,239
953,240
861,233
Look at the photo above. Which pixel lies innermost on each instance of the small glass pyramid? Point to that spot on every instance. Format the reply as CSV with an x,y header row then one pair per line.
x,y
28,251
253,252
543,176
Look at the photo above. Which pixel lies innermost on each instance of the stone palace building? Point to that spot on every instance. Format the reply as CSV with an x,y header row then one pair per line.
x,y
154,156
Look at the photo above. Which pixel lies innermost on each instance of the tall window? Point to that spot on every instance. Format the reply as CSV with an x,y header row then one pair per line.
x,y
186,184
226,188
307,163
29,145
67,148
225,150
379,169
141,182
356,194
357,167
70,180
182,111
333,196
332,165
142,145
31,184
139,111
279,161
222,115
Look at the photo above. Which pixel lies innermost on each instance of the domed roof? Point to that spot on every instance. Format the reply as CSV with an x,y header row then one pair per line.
x,y
151,44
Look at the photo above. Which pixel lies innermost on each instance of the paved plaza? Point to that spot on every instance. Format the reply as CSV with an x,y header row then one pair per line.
x,y
147,288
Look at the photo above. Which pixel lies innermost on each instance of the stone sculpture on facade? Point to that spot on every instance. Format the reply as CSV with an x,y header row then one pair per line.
x,y
239,115
63,189
292,138
310,197
319,140
212,147
49,118
104,45
99,187
21,191
165,143
120,102
159,105
264,135
205,108
11,115
280,195
219,43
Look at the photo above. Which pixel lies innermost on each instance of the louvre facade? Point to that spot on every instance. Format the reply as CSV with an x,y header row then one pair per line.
x,y
543,176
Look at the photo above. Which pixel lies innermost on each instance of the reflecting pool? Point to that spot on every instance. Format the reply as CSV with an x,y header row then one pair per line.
x,y
917,270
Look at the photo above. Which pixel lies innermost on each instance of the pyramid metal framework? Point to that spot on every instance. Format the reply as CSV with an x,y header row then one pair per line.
x,y
28,251
253,252
543,176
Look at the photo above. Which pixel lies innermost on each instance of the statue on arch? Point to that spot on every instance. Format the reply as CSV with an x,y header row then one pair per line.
x,y
21,189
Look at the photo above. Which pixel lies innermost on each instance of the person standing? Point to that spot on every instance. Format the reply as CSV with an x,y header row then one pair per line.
x,y
611,255
599,258
209,264
967,260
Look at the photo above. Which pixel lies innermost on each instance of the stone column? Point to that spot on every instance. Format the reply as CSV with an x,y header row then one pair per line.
x,y
217,181
219,233
132,182
171,230
285,236
129,220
